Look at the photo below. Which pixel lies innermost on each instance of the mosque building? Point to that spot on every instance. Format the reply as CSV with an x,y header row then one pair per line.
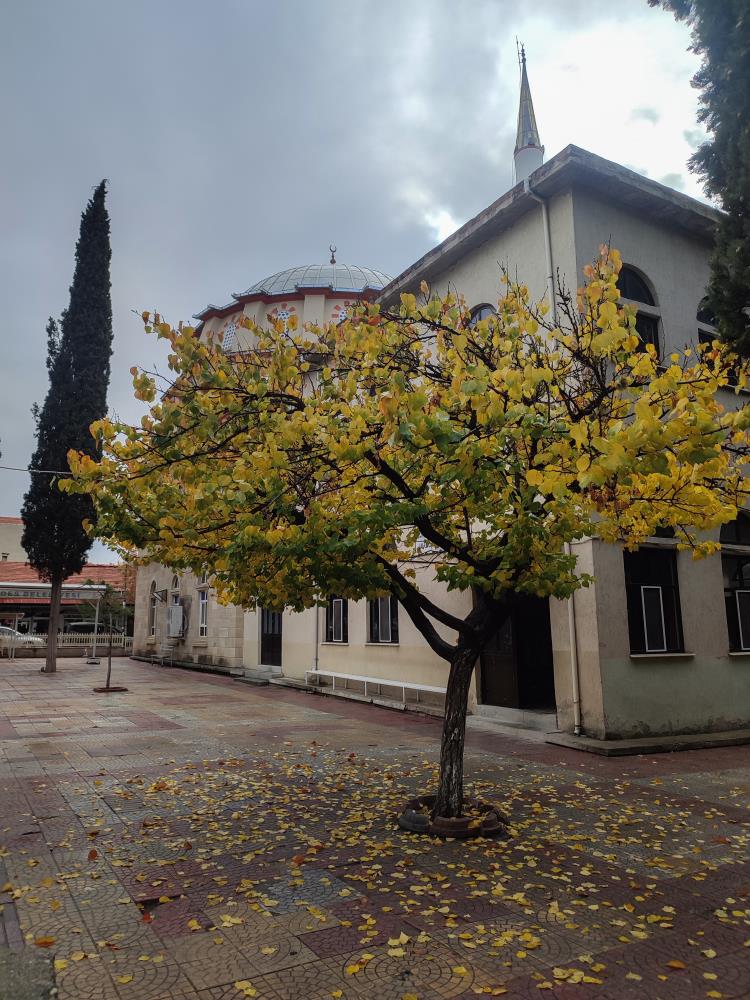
x,y
660,643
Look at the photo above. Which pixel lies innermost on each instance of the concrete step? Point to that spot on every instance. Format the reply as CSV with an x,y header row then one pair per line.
x,y
260,676
542,721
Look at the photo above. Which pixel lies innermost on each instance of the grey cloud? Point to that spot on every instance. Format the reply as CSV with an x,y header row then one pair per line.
x,y
238,138
694,137
676,181
645,115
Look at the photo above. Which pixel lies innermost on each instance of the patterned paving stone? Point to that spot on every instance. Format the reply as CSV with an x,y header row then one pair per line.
x,y
616,864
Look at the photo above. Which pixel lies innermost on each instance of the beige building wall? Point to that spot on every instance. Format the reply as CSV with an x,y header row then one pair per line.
x,y
221,647
11,550
621,695
519,248
675,263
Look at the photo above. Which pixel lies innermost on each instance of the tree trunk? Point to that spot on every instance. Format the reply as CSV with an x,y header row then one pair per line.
x,y
450,796
54,623
109,652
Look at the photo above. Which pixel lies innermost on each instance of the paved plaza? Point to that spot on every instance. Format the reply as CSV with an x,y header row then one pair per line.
x,y
200,839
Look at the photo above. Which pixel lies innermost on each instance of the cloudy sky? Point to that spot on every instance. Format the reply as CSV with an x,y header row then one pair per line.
x,y
241,137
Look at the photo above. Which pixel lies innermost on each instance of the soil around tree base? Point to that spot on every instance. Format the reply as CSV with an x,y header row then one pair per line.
x,y
481,819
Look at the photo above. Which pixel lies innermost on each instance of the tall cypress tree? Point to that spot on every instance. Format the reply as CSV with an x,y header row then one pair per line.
x,y
78,362
721,36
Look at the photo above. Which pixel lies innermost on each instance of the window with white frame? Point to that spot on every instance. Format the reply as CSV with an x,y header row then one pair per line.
x,y
635,290
153,601
478,313
735,567
653,600
203,606
337,620
382,620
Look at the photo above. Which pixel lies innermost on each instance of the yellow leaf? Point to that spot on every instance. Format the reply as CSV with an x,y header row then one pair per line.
x,y
44,942
460,970
124,980
675,963
78,956
60,964
396,952
194,925
336,994
268,950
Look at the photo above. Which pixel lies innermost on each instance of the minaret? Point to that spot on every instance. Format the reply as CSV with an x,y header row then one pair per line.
x,y
529,152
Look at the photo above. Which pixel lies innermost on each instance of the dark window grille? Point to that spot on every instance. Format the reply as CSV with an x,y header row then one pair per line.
x,y
382,614
736,571
736,532
647,328
337,620
653,600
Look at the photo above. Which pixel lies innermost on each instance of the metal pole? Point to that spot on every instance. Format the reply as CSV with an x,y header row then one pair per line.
x,y
93,658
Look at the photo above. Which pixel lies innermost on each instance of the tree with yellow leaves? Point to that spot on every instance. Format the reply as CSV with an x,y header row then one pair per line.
x,y
335,459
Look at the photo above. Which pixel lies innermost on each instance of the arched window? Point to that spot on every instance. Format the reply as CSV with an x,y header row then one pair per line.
x,y
635,290
152,602
175,590
705,314
735,567
480,312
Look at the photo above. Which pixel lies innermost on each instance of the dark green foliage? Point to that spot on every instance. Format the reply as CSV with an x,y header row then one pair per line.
x,y
721,36
78,362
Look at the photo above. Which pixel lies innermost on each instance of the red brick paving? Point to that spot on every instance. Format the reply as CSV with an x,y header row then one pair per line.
x,y
187,800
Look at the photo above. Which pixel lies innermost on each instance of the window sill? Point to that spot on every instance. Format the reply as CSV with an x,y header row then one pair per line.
x,y
151,639
334,643
200,642
382,644
662,656
739,652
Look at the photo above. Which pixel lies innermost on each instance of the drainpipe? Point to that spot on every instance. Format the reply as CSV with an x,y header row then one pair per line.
x,y
317,637
574,670
547,247
572,629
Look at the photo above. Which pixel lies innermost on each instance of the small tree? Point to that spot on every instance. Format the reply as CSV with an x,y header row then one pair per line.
x,y
78,362
721,36
324,461
109,608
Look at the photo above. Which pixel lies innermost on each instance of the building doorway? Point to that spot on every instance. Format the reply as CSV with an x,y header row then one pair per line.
x,y
270,638
516,668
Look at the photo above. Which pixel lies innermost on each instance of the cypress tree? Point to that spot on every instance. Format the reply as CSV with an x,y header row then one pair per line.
x,y
78,362
721,36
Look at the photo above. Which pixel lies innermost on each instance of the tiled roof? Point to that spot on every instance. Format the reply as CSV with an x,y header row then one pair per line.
x,y
114,574
11,520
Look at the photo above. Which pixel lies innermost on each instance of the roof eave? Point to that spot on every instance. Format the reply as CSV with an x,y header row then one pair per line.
x,y
572,166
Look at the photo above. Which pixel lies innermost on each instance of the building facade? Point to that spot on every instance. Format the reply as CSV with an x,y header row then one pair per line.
x,y
660,643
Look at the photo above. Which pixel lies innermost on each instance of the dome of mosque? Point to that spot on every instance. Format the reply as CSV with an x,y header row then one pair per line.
x,y
338,277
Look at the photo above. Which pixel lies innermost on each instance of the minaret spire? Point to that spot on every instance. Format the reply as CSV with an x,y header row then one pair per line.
x,y
529,151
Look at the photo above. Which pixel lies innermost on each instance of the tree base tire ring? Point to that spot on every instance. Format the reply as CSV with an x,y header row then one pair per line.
x,y
109,690
486,820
